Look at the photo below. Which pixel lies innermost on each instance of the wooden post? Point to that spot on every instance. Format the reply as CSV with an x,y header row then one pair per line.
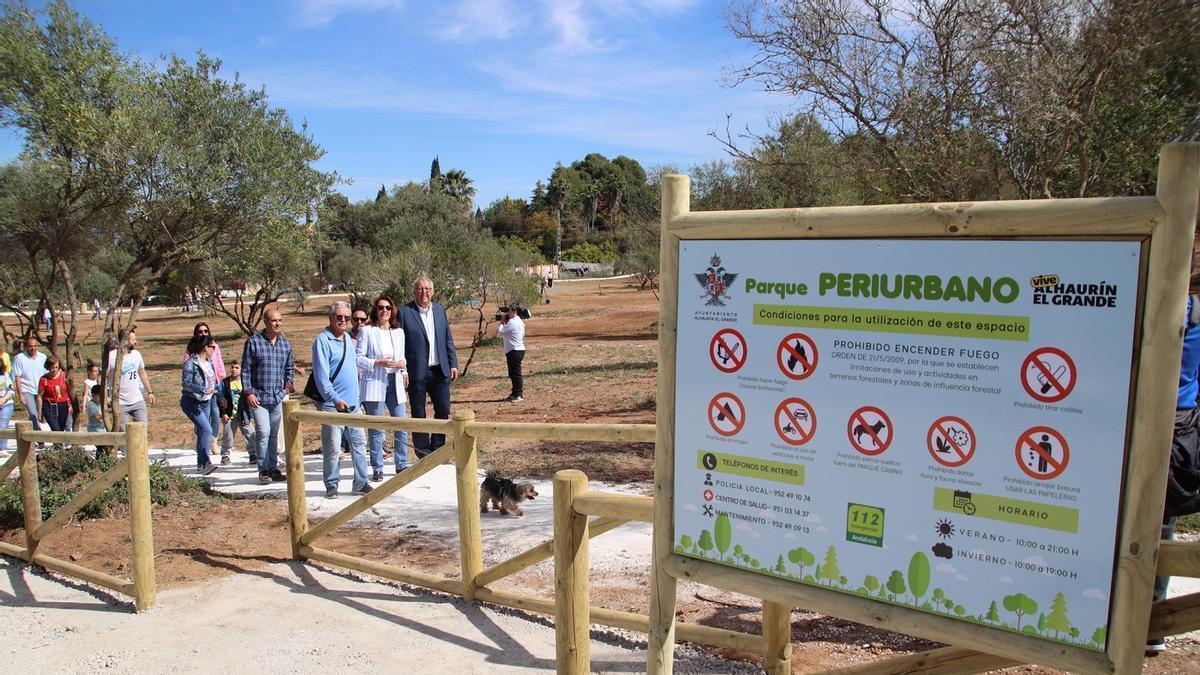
x,y
777,638
294,454
141,526
31,498
571,601
466,469
676,201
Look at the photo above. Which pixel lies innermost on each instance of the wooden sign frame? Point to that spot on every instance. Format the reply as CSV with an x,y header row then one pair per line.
x,y
1165,226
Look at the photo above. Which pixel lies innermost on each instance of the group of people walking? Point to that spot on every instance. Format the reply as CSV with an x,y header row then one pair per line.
x,y
385,362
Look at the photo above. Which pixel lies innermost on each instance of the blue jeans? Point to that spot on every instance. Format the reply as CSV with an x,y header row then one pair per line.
x,y
376,436
266,426
331,450
6,412
30,403
198,413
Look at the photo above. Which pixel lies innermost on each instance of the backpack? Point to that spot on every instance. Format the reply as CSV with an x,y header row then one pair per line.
x,y
1183,479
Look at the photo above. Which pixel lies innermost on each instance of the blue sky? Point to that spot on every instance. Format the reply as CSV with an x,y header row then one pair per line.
x,y
501,89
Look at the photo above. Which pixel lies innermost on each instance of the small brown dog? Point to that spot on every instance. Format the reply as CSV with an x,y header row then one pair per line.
x,y
505,495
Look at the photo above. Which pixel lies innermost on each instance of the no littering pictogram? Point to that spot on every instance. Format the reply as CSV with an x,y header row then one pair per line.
x,y
726,414
795,421
1048,374
870,430
727,349
951,441
1042,453
797,356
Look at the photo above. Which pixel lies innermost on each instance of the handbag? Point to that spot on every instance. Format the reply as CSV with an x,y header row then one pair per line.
x,y
310,389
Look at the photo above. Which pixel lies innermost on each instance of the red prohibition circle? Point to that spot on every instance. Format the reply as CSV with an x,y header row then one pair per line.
x,y
722,408
797,412
951,452
789,356
1029,442
735,357
858,426
1045,384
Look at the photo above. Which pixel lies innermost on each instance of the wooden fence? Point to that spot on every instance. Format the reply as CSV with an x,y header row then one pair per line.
x,y
475,580
135,465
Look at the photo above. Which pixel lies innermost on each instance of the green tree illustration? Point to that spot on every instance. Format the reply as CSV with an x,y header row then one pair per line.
x,y
706,542
871,583
959,610
1020,604
802,557
723,532
686,542
947,603
938,596
1075,632
992,614
1099,636
738,550
780,567
1058,621
754,563
829,566
918,576
895,584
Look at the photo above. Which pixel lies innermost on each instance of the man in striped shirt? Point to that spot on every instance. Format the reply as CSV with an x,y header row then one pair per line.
x,y
267,375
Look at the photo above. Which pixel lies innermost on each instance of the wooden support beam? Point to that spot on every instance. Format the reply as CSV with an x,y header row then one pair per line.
x,y
82,498
572,638
466,472
77,437
14,551
141,525
31,498
616,433
393,572
418,424
297,502
943,661
613,505
542,551
777,638
123,586
383,491
1178,559
10,464
1178,615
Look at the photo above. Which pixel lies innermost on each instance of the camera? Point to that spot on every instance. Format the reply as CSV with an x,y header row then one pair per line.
x,y
521,312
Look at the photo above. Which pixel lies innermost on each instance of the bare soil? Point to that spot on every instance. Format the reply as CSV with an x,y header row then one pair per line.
x,y
592,357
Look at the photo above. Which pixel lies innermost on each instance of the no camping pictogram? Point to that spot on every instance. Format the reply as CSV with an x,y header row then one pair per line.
x,y
951,441
727,349
726,414
1042,453
1048,374
795,421
797,356
870,430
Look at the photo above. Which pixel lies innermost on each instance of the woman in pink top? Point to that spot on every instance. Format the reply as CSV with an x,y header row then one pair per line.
x,y
218,365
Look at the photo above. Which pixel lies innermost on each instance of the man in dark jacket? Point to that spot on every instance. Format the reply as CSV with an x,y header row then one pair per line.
x,y
432,360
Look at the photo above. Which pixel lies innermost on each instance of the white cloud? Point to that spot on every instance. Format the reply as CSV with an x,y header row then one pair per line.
x,y
477,20
744,527
692,508
912,537
812,518
822,529
313,13
1036,560
1006,580
961,577
1095,593
948,568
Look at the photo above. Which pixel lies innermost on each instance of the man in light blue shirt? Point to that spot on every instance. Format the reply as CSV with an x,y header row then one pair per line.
x,y
335,373
28,367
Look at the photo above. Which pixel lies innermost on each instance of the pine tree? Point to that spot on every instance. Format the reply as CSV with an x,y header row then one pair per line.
x,y
829,568
435,171
381,195
1058,621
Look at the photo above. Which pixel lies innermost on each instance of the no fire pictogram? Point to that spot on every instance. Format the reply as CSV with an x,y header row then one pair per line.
x,y
1042,453
726,414
1048,374
795,421
797,356
870,430
951,441
727,349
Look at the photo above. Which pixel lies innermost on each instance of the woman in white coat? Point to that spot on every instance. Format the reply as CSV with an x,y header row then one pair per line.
x,y
384,380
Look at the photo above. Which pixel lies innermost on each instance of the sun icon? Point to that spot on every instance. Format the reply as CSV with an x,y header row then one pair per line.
x,y
944,529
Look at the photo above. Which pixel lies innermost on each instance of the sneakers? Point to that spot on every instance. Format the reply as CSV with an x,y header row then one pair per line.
x,y
208,468
331,492
515,399
377,477
1155,646
264,477
252,459
225,460
277,476
364,489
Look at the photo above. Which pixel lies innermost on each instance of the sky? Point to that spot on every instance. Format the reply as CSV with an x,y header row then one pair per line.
x,y
502,89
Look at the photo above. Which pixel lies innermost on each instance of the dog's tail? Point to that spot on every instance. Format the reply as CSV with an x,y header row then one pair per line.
x,y
493,474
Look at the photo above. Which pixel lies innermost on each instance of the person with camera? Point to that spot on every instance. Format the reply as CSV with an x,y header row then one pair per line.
x,y
512,330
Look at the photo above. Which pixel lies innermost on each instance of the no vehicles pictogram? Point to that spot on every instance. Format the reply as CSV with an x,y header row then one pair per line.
x,y
1042,453
727,349
726,414
1048,374
797,356
795,421
870,430
951,441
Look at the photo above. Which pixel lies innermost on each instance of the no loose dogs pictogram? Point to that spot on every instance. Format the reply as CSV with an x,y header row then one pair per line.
x,y
870,430
795,421
726,414
951,441
1048,374
1042,453
797,356
727,350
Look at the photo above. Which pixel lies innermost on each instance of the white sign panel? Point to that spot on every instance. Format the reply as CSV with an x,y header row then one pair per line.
x,y
934,424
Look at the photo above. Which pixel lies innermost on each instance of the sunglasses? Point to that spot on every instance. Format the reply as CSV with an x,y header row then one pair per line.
x,y
341,318
383,308
359,318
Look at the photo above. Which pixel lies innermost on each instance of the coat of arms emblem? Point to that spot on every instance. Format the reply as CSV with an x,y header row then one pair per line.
x,y
716,282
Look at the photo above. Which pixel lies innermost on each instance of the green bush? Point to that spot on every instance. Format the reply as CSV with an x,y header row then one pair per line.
x,y
64,472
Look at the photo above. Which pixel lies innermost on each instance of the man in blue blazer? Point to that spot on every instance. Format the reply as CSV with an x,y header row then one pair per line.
x,y
432,360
